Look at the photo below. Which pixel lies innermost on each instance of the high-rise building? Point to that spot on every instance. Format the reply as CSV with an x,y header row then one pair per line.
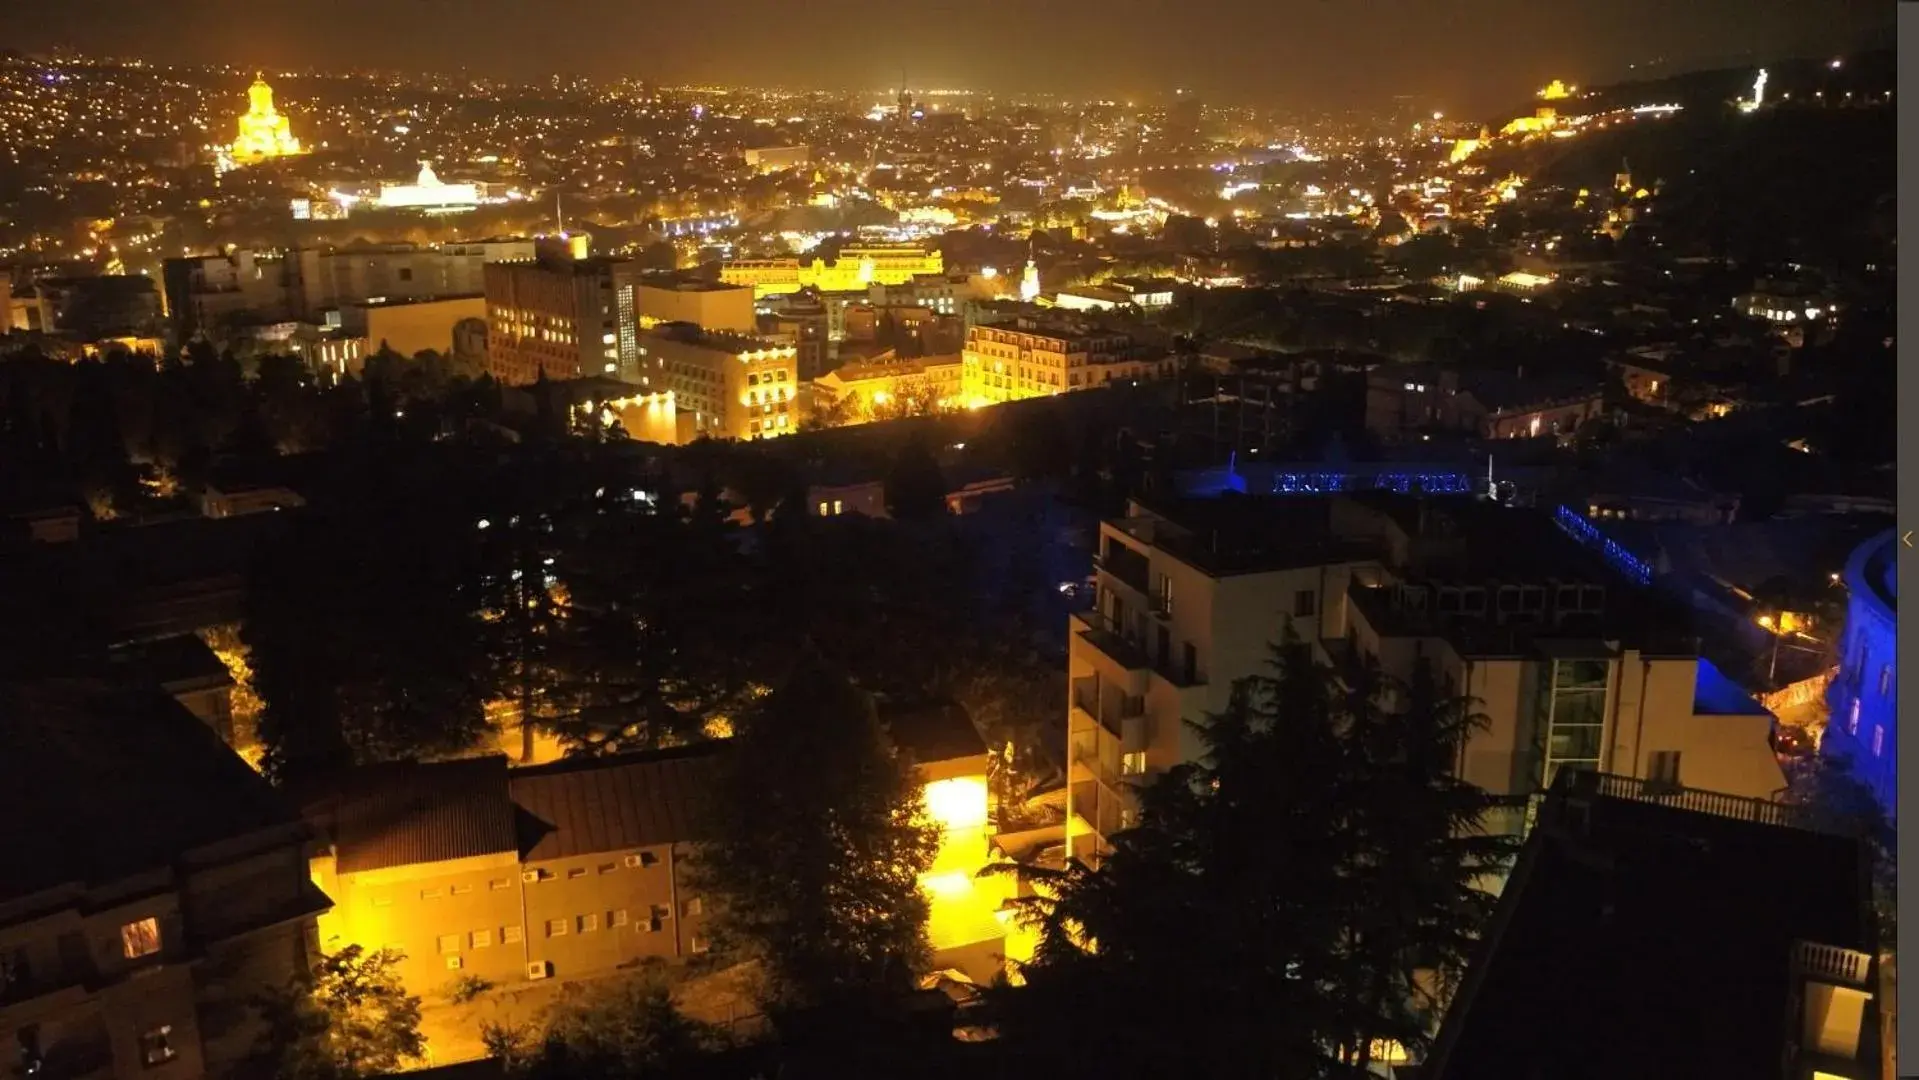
x,y
1574,666
726,386
562,319
1039,356
1183,118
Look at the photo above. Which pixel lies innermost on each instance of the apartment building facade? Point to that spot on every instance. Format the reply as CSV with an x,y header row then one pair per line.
x,y
578,869
156,886
560,318
560,871
1572,667
1039,357
726,386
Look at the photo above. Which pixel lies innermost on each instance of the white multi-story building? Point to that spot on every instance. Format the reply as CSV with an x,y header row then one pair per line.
x,y
1573,666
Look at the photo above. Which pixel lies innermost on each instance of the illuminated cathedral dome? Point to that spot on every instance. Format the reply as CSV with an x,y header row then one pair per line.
x,y
263,133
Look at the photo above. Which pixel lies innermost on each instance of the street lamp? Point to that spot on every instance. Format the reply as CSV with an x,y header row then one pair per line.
x,y
1778,628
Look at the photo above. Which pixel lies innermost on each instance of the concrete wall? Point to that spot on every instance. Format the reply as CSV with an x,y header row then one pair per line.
x,y
725,308
411,328
492,917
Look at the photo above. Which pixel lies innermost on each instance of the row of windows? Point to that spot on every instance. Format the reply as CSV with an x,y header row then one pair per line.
x,y
753,379
656,918
769,426
642,860
1878,730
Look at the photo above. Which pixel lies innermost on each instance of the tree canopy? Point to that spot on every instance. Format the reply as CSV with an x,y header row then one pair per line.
x,y
818,836
1301,895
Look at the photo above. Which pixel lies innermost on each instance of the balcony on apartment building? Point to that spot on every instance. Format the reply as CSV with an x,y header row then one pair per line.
x,y
1829,1014
1128,567
1106,744
1114,641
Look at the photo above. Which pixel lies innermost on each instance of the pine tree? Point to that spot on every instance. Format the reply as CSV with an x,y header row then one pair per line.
x,y
818,836
1285,902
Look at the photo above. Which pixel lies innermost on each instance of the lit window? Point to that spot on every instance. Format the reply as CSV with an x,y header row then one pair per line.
x,y
156,1045
1132,764
1852,720
448,943
616,918
1878,740
692,907
481,939
556,927
589,923
140,938
823,510
1885,679
607,868
839,507
576,872
510,935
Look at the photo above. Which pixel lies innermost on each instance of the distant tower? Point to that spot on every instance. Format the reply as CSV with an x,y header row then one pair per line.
x,y
1622,180
1029,281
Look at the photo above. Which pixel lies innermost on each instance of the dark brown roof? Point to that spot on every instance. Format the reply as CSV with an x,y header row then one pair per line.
x,y
172,662
611,804
98,783
932,731
391,815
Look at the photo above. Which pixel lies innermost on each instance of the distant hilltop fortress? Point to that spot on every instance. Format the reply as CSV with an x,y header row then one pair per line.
x,y
263,133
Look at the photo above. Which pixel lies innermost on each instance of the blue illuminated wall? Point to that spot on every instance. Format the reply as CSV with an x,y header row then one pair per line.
x,y
1320,480
1865,695
1579,528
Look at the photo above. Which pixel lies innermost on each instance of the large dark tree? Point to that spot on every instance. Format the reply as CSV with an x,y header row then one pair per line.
x,y
815,865
365,637
1284,901
914,486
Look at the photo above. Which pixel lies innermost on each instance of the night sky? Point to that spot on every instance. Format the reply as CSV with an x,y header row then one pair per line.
x,y
1459,54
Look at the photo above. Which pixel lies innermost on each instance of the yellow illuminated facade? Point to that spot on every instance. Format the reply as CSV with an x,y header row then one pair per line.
x,y
967,925
929,384
1029,360
725,386
645,417
854,269
263,133
1544,119
1556,90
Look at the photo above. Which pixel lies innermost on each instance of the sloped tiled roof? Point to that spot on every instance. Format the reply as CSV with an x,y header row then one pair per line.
x,y
932,731
391,815
612,804
98,783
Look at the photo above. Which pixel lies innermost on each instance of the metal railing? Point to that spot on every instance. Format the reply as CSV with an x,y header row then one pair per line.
x,y
1106,636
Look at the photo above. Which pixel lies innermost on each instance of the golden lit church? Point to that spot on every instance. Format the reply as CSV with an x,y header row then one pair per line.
x,y
263,133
